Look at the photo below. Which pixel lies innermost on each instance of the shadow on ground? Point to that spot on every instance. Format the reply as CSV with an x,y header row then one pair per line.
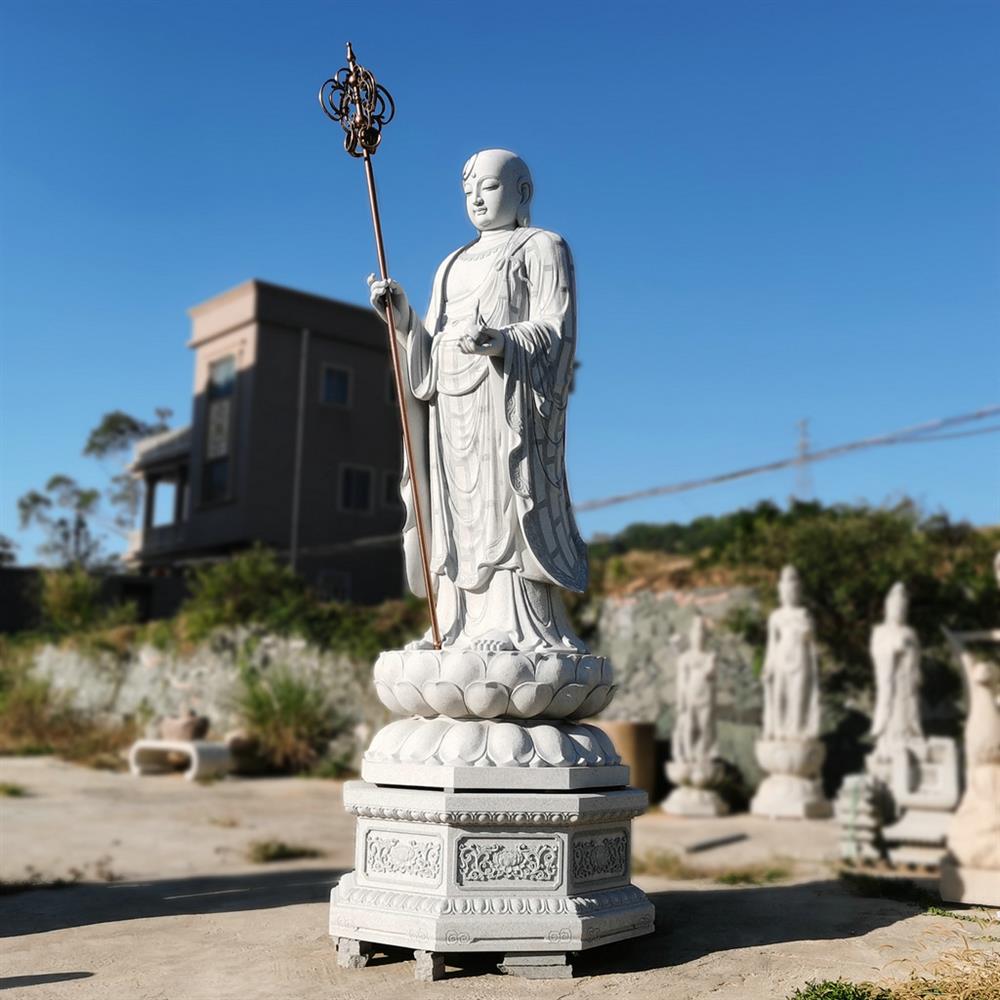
x,y
38,910
691,923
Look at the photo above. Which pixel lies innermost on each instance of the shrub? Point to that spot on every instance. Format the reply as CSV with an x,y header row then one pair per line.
x,y
262,852
290,719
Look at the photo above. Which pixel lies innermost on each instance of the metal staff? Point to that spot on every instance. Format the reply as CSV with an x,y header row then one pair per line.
x,y
354,100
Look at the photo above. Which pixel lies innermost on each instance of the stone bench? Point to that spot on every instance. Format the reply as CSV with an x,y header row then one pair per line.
x,y
206,759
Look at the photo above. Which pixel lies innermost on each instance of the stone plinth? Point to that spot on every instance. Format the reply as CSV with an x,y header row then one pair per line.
x,y
792,789
694,795
523,872
509,833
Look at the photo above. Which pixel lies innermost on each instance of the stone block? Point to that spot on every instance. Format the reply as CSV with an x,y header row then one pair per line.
x,y
205,759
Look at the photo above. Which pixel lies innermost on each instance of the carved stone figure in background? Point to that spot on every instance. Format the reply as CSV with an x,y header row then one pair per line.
x,y
693,768
790,751
791,674
971,871
694,731
489,375
895,651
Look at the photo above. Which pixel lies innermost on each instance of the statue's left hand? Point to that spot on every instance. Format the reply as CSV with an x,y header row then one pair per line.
x,y
483,341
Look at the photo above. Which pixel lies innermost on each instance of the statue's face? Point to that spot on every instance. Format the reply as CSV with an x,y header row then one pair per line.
x,y
789,593
895,608
493,193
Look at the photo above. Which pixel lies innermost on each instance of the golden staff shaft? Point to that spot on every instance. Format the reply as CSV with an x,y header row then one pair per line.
x,y
404,418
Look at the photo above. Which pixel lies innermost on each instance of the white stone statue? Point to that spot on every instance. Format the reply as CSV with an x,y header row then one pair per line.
x,y
693,737
490,817
971,871
693,767
489,371
791,673
789,750
895,651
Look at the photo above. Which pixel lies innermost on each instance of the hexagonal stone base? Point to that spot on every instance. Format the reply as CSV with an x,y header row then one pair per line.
x,y
509,872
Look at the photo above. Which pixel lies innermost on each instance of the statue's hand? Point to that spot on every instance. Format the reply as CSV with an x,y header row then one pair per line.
x,y
381,292
489,343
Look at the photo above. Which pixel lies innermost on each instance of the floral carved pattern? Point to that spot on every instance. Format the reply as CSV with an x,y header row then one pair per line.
x,y
416,857
508,860
598,856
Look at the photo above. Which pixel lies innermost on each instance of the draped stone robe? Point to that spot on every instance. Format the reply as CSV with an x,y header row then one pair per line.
x,y
489,437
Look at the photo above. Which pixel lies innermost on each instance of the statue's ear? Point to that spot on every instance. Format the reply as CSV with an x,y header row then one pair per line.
x,y
525,190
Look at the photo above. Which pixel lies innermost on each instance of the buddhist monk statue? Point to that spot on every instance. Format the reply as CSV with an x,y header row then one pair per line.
x,y
791,675
895,651
487,374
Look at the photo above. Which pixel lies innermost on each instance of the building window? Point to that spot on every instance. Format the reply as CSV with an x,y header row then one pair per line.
x,y
335,386
334,584
219,420
355,488
390,489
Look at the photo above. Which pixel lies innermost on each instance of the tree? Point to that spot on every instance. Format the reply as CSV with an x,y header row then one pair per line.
x,y
8,551
64,510
69,513
114,437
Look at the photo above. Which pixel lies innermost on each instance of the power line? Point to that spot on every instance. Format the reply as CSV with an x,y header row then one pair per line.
x,y
917,434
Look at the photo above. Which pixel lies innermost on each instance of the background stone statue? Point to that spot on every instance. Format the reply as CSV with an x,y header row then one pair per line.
x,y
489,371
895,652
693,738
971,871
789,750
791,673
693,767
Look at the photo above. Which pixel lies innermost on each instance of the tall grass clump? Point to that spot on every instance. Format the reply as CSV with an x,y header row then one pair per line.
x,y
290,719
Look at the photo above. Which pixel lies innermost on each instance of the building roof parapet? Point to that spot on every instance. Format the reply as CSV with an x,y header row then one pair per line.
x,y
168,447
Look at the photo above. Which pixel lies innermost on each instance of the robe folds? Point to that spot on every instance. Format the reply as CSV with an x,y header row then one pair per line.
x,y
489,433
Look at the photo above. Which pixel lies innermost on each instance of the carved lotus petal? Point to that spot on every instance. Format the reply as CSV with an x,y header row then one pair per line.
x,y
388,668
412,701
568,699
445,698
510,669
509,745
389,739
594,702
421,666
605,743
464,743
589,749
421,744
529,700
589,670
556,669
553,747
607,671
385,695
462,667
486,699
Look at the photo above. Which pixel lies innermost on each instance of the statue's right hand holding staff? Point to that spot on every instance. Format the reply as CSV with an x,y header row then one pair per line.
x,y
381,291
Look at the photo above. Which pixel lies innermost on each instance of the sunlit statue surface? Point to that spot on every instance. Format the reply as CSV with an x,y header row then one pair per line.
x,y
489,371
895,652
693,767
490,816
789,750
971,871
791,675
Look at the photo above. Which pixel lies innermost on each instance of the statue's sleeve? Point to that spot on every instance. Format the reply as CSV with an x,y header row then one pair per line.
x,y
419,341
538,368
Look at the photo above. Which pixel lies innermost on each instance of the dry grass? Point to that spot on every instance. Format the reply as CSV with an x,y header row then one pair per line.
x,y
97,871
11,790
265,851
666,864
226,822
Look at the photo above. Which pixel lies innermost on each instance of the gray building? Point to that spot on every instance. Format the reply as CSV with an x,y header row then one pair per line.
x,y
294,443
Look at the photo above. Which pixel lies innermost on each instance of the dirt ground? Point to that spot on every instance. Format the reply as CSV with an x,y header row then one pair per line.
x,y
187,916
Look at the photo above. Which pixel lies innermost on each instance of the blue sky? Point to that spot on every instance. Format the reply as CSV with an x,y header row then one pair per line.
x,y
778,210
